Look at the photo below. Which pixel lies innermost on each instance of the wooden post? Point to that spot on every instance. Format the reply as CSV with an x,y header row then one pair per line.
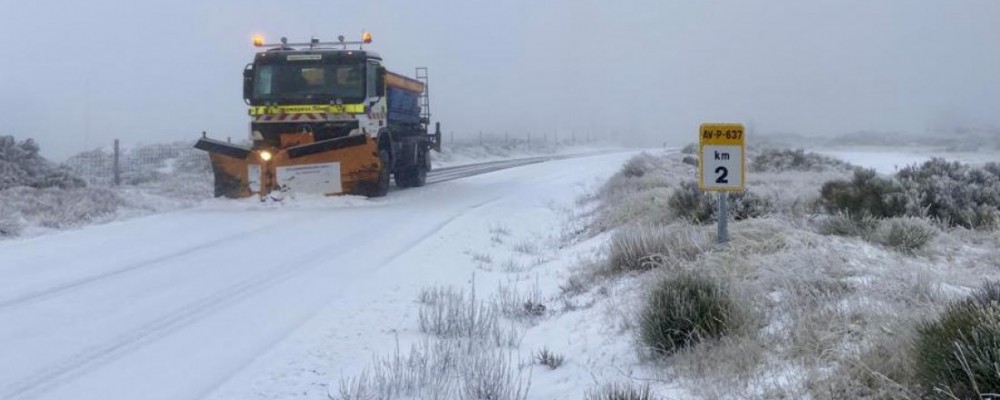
x,y
117,166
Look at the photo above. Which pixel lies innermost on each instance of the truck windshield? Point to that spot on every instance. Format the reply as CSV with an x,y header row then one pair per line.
x,y
309,82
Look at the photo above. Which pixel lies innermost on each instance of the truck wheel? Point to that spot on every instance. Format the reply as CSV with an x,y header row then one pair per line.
x,y
415,176
381,187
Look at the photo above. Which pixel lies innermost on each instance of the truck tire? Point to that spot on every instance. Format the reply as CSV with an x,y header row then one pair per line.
x,y
380,187
414,176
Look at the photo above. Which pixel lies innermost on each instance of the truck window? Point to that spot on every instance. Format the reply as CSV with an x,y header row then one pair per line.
x,y
372,79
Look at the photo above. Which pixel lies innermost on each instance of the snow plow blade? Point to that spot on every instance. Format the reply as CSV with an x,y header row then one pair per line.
x,y
335,166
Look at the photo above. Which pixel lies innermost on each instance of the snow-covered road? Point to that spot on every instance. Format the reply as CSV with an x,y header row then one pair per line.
x,y
174,306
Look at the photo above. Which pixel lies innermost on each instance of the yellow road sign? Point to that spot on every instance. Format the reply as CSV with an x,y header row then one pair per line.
x,y
722,157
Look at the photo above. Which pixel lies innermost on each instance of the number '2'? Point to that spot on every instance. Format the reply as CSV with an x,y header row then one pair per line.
x,y
723,175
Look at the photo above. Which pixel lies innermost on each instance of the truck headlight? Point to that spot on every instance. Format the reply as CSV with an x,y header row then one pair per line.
x,y
265,155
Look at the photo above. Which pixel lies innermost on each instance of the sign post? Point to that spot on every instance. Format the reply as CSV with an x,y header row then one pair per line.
x,y
722,165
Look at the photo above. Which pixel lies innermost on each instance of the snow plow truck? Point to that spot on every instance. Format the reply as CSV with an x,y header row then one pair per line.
x,y
326,119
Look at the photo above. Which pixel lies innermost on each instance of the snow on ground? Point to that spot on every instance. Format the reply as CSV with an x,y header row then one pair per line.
x,y
167,177
244,300
889,160
517,241
462,154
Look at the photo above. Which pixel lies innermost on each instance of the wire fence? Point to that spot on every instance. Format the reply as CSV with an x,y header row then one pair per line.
x,y
121,163
541,139
134,164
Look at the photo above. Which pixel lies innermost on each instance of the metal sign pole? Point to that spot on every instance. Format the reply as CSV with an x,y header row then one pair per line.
x,y
721,166
723,217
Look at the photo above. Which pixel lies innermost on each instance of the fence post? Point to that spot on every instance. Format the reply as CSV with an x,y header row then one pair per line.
x,y
480,138
117,166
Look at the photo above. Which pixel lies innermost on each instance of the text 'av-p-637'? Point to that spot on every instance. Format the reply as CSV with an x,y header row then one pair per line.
x,y
326,118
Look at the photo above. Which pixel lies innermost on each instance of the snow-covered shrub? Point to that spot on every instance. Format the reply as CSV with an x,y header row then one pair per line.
x,y
620,391
866,194
690,148
691,204
520,306
549,359
905,234
957,356
449,314
683,310
636,193
641,172
882,372
637,166
640,248
841,224
639,207
954,192
21,165
781,160
440,370
468,356
492,374
10,224
60,208
689,160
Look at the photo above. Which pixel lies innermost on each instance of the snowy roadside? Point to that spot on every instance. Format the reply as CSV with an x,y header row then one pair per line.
x,y
816,311
161,178
464,154
888,160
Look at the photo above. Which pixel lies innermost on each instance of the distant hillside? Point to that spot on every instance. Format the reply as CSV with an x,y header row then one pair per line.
x,y
956,140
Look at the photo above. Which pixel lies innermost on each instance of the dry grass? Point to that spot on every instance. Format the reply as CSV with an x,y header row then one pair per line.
x,y
835,316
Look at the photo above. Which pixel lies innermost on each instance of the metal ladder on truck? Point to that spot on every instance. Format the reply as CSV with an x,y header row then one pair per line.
x,y
424,101
425,98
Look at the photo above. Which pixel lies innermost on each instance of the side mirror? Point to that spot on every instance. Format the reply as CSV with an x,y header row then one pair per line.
x,y
248,83
380,82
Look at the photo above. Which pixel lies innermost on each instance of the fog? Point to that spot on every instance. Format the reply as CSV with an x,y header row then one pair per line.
x,y
76,75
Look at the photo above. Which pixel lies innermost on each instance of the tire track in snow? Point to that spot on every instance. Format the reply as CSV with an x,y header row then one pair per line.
x,y
64,371
68,287
436,176
465,171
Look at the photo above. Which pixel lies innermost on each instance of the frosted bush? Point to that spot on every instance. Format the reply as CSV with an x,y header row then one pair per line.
x,y
841,224
61,208
694,205
640,248
865,195
440,370
451,314
957,355
781,160
21,165
10,224
954,192
684,310
905,234
620,391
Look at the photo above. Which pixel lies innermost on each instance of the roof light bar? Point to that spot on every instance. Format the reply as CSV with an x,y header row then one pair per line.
x,y
366,38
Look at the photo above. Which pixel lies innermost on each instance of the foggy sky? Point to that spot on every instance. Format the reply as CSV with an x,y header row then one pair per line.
x,y
76,74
